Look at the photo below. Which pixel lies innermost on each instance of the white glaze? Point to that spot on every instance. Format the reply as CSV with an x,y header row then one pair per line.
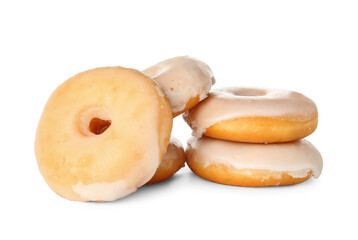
x,y
175,151
103,191
233,102
294,157
182,78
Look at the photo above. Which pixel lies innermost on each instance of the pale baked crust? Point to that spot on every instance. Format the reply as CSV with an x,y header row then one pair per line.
x,y
82,166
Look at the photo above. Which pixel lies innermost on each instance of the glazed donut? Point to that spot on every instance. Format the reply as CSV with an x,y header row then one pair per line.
x,y
103,134
185,80
253,115
173,160
253,165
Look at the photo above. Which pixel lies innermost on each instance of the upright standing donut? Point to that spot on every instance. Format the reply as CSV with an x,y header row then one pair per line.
x,y
103,134
255,115
185,80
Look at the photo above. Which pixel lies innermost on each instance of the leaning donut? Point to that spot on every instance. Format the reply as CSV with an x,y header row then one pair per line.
x,y
185,80
103,134
254,115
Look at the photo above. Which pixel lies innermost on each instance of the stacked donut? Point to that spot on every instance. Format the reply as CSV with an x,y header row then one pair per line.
x,y
106,132
253,137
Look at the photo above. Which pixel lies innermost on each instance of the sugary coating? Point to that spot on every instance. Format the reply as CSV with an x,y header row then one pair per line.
x,y
103,134
185,80
247,164
173,160
254,115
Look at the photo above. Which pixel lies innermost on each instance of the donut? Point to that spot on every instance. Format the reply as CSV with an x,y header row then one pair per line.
x,y
173,160
254,115
185,80
253,165
103,134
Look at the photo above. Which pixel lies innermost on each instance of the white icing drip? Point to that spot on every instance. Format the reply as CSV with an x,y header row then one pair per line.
x,y
299,174
182,78
295,157
103,191
233,102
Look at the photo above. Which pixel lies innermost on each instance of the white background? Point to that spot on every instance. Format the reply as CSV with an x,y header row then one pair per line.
x,y
306,46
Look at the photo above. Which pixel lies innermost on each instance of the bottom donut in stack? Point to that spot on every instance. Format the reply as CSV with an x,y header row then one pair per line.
x,y
253,165
252,137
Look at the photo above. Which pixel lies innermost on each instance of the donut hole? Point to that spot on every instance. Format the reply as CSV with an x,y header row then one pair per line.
x,y
99,126
249,92
94,121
